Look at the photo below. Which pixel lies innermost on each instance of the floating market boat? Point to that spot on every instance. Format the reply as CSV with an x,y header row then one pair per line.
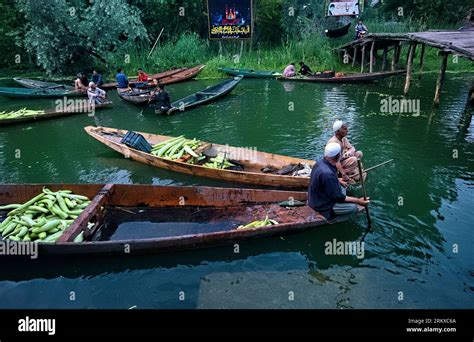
x,y
250,73
258,168
345,78
34,84
207,95
26,93
28,116
134,219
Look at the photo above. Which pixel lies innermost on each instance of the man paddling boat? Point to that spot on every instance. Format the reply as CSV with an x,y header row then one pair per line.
x,y
326,192
347,166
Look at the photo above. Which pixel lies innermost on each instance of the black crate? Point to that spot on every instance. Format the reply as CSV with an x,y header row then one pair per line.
x,y
136,141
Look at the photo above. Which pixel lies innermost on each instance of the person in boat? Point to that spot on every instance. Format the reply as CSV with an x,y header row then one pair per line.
x,y
360,29
347,165
97,78
143,79
95,94
326,192
290,70
161,99
79,84
122,81
305,70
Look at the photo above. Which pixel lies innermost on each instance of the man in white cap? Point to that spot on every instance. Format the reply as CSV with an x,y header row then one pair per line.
x,y
347,166
95,94
326,195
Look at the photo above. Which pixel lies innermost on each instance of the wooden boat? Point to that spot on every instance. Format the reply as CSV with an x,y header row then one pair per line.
x,y
137,219
204,96
25,93
54,113
252,161
34,84
339,32
133,81
182,75
250,73
136,96
348,78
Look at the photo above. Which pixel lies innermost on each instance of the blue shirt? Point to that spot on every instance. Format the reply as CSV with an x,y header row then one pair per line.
x,y
97,79
122,80
324,189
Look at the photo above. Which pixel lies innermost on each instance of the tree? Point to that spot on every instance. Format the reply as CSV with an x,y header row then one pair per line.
x,y
68,35
10,24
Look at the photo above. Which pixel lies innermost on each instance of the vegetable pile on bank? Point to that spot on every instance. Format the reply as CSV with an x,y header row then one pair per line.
x,y
44,218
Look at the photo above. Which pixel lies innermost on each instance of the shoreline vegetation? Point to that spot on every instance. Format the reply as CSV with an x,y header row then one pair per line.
x,y
303,40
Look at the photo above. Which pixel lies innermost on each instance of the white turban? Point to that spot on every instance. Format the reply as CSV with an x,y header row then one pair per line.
x,y
332,149
337,125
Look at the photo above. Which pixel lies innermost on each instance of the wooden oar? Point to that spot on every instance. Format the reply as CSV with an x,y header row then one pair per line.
x,y
369,221
378,165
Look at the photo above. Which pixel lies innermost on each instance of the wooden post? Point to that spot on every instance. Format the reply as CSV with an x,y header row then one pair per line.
x,y
384,59
397,58
394,56
355,56
442,72
362,59
422,56
371,66
411,54
241,48
220,48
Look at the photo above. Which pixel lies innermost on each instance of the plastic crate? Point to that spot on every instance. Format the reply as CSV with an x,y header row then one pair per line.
x,y
136,141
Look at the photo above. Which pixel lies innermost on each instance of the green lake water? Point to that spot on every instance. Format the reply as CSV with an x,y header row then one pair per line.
x,y
418,255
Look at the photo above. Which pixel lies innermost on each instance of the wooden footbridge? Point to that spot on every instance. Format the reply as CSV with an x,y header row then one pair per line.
x,y
365,51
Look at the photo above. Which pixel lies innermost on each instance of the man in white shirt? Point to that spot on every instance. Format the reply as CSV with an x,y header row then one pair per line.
x,y
95,94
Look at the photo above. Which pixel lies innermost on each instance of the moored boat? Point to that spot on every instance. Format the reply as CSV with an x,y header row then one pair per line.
x,y
134,219
34,84
250,73
133,81
27,93
344,78
259,168
54,113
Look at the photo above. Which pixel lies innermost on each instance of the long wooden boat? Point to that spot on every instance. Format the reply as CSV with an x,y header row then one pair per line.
x,y
55,113
135,96
348,78
26,93
204,96
250,73
182,75
137,219
133,82
252,161
34,84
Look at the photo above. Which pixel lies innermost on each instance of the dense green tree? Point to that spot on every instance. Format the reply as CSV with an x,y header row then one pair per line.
x,y
68,35
10,26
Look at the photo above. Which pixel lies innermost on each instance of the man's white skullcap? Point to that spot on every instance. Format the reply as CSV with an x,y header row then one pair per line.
x,y
332,149
337,125
91,84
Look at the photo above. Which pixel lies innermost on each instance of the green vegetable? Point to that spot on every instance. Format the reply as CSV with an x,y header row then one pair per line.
x,y
80,237
48,226
10,206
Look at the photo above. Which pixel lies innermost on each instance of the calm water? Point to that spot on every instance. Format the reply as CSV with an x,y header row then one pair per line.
x,y
412,248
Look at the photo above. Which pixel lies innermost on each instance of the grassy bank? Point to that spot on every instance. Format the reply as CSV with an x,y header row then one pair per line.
x,y
317,51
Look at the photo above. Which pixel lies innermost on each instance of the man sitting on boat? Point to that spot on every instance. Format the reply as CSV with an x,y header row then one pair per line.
x,y
305,70
360,30
347,165
122,81
97,78
326,192
79,85
161,99
290,70
95,94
